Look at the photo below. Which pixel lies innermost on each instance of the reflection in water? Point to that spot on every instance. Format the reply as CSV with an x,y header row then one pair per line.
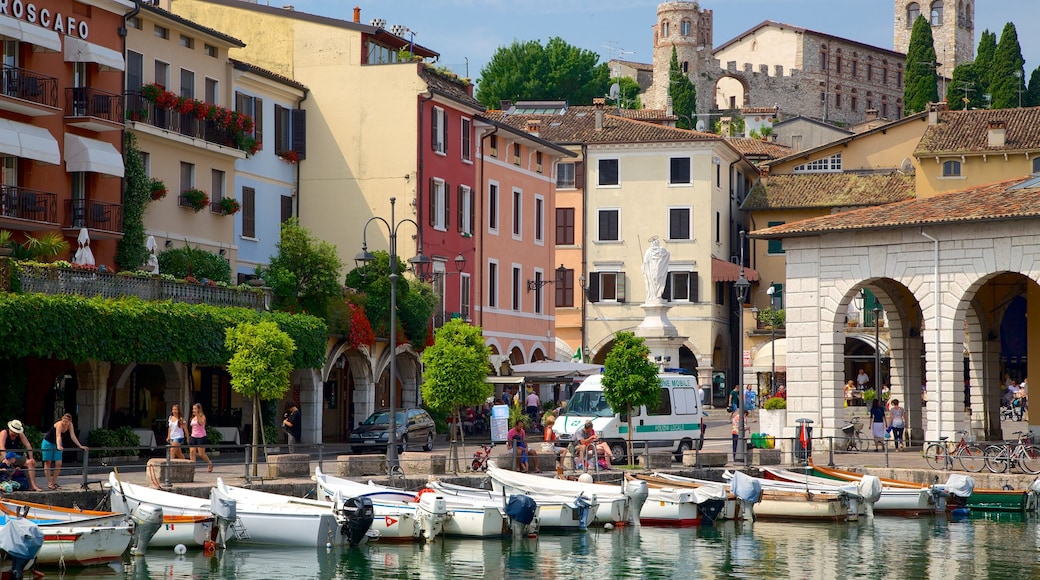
x,y
989,547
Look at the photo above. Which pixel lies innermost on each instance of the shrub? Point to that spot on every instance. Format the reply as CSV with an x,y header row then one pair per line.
x,y
189,261
774,404
122,437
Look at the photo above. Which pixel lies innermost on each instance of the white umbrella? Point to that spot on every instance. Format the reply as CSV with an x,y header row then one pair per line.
x,y
84,257
153,262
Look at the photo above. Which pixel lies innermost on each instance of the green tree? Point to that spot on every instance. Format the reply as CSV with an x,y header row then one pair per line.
x,y
194,262
131,253
456,366
528,70
964,90
1006,71
416,300
683,94
305,273
628,95
629,378
260,365
922,82
1033,90
983,61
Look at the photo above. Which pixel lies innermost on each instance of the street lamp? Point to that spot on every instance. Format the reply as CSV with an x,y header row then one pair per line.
x,y
772,341
742,286
877,341
420,265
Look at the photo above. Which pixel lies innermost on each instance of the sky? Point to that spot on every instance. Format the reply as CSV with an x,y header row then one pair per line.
x,y
467,32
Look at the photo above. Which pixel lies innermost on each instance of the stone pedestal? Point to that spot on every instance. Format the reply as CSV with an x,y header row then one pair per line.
x,y
659,334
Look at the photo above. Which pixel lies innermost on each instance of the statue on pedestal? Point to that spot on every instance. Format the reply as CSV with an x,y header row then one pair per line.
x,y
655,270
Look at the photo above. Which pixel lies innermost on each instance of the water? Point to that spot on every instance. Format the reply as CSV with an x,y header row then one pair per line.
x,y
997,546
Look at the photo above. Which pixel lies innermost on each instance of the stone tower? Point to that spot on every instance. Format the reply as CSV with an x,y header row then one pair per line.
x,y
683,25
953,29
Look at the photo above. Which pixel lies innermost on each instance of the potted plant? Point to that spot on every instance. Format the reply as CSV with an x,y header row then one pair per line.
x,y
291,156
229,205
773,416
6,243
195,198
258,279
157,189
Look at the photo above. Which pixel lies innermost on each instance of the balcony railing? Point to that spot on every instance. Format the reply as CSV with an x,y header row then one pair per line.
x,y
141,110
49,280
26,204
91,102
93,214
29,85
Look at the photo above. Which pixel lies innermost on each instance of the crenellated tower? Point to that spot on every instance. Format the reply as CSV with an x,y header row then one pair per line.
x,y
688,28
953,29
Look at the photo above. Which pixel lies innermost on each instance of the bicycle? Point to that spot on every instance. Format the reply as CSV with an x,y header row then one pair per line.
x,y
940,455
854,439
1002,457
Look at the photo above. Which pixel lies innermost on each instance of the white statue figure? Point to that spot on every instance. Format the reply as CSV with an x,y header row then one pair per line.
x,y
655,270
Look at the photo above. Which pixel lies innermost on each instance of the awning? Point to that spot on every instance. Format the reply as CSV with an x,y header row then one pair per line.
x,y
496,380
82,154
556,369
723,271
764,355
32,34
28,141
78,50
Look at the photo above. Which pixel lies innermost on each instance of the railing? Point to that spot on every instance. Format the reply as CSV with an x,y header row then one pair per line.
x,y
48,280
91,102
27,204
141,110
28,85
93,214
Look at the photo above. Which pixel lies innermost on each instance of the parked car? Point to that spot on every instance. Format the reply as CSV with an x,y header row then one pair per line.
x,y
414,427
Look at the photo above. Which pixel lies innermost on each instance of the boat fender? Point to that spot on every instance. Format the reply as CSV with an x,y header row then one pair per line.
x,y
420,493
960,513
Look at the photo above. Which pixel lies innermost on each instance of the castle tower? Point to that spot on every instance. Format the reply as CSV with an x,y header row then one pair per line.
x,y
683,25
953,29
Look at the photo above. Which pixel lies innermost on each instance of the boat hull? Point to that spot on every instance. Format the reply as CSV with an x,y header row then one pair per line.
x,y
83,546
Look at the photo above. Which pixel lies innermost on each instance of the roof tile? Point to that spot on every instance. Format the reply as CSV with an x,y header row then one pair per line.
x,y
826,190
577,124
961,132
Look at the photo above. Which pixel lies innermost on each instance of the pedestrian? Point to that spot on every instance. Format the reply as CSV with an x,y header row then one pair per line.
x,y
735,419
781,392
862,379
878,423
60,435
175,432
291,422
13,439
850,388
516,440
734,399
533,405
897,419
750,398
198,436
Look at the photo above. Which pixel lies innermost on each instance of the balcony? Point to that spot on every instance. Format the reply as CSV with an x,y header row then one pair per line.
x,y
104,219
27,92
51,280
93,109
26,209
141,110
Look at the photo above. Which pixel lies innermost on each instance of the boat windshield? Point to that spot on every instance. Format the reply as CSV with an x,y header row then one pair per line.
x,y
384,419
589,404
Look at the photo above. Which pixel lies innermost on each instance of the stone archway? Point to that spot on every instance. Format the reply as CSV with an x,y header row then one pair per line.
x,y
731,91
348,389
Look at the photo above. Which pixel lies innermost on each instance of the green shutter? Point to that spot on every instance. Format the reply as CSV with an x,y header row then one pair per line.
x,y
776,246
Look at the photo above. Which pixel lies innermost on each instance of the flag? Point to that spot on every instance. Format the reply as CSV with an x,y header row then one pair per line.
x,y
577,356
804,436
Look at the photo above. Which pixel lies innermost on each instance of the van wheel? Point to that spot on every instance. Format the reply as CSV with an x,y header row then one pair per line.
x,y
618,450
684,446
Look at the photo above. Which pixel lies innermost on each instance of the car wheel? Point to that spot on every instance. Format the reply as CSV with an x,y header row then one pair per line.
x,y
619,450
429,442
684,446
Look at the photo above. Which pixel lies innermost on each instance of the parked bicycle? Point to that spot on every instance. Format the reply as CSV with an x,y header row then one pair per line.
x,y
1002,457
941,455
854,439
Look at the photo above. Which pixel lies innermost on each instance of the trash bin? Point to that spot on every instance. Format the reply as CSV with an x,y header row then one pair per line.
x,y
756,441
803,440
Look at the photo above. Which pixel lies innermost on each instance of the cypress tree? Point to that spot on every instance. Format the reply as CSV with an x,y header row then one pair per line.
x,y
922,81
683,94
983,62
1006,72
1033,92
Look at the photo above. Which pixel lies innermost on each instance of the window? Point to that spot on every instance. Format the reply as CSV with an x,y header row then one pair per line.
x,y
684,28
538,292
899,79
951,168
606,287
609,225
853,103
217,190
884,75
718,173
870,72
937,13
516,288
438,204
467,139
681,287
775,246
565,223
493,145
538,161
187,83
837,100
565,288
162,73
679,223
837,64
254,107
492,284
134,70
492,205
465,205
679,170
823,60
287,209
464,296
290,131
608,172
210,50
1036,165
913,10
518,215
212,91
248,212
146,162
718,227
187,41
161,32
539,219
854,68
516,154
565,176
187,179
134,22
664,29
830,164
439,131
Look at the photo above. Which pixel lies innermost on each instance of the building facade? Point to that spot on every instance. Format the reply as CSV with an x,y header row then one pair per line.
x,y
953,30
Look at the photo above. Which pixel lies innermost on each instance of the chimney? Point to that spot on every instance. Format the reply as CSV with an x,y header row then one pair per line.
x,y
871,115
289,7
505,105
724,126
997,133
668,110
357,14
933,111
599,103
533,126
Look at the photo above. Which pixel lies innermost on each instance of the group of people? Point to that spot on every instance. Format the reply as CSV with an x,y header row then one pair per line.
x,y
193,430
885,420
19,461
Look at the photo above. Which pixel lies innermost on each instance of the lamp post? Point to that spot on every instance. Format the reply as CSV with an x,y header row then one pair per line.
x,y
877,347
419,264
772,341
741,286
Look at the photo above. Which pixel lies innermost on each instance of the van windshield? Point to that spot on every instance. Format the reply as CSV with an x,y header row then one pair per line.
x,y
589,404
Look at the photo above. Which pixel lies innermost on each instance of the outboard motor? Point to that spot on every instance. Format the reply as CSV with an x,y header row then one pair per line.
x,y
225,509
956,485
21,539
636,491
432,510
748,492
355,516
582,507
521,510
147,520
869,489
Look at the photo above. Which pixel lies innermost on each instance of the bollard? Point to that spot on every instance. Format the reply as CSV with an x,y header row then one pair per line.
x,y
830,455
169,461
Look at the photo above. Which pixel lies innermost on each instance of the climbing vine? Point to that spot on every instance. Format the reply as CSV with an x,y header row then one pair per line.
x,y
130,251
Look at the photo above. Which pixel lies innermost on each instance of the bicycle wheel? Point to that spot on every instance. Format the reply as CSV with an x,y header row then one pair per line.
x,y
997,458
935,455
1029,459
862,443
972,459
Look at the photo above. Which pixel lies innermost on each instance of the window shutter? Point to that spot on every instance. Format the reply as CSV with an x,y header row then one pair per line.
x,y
433,129
462,203
667,293
446,192
280,141
240,102
593,290
433,202
579,175
299,133
695,287
472,211
258,122
444,143
620,286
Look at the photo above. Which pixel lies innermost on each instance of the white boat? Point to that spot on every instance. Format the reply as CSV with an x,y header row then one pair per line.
x,y
893,500
462,519
554,513
83,545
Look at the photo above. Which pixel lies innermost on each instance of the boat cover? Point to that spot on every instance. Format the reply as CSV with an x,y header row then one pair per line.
x,y
959,485
869,488
746,487
521,508
21,538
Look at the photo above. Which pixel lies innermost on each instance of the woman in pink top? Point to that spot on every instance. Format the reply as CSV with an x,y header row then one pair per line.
x,y
198,435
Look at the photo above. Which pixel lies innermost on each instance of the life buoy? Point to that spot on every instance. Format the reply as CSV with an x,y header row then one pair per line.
x,y
421,492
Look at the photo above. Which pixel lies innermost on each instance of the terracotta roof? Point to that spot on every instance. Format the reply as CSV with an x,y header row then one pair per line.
x,y
657,115
453,89
245,66
634,64
826,190
723,271
992,202
760,110
808,153
577,124
758,148
960,132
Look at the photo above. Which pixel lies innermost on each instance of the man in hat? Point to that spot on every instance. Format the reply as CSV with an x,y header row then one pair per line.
x,y
291,422
12,440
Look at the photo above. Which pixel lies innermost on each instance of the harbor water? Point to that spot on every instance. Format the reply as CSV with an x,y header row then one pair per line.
x,y
989,546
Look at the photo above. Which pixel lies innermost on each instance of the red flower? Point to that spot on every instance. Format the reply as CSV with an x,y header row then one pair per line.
x,y
360,329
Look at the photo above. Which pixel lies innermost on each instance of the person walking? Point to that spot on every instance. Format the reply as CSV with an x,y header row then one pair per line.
x,y
175,432
13,439
533,404
60,435
198,436
897,419
291,422
878,423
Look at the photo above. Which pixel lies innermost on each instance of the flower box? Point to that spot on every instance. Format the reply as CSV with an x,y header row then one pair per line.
x,y
229,205
157,189
196,199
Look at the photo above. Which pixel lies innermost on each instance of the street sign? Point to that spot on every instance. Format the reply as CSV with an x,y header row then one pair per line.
x,y
747,358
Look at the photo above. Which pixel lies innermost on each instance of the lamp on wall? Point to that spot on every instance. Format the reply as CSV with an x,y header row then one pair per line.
x,y
460,262
169,243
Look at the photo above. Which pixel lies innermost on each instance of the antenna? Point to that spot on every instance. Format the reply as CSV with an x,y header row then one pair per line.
x,y
615,52
615,90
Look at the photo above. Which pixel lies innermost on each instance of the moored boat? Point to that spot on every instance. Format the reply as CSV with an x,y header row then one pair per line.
x,y
554,513
83,545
